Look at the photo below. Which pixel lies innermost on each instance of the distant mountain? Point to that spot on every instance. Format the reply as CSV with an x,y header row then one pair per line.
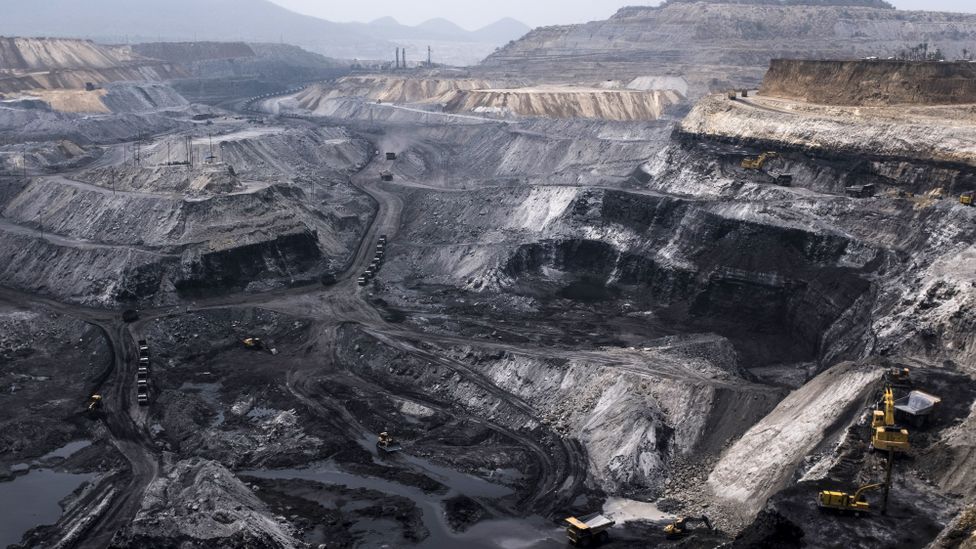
x,y
122,21
503,31
439,29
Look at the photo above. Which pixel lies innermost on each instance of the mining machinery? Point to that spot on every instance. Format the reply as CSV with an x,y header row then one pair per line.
x,y
885,434
94,403
758,162
387,444
829,500
589,531
679,528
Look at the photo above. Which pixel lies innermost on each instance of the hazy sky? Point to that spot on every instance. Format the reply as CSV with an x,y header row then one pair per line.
x,y
472,14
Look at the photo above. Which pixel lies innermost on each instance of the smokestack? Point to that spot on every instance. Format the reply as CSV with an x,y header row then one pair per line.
x,y
428,57
398,58
404,57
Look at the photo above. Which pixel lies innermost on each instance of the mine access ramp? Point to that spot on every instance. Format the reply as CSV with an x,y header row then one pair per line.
x,y
588,531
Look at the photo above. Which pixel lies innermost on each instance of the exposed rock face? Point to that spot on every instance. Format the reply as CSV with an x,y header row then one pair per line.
x,y
889,137
199,503
389,89
871,82
762,462
190,52
56,63
567,102
717,44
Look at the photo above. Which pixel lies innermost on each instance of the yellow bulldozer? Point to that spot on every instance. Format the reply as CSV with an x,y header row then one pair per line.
x,y
885,434
829,500
757,163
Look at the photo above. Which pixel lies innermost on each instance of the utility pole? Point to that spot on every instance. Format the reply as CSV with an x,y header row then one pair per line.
x,y
169,159
887,485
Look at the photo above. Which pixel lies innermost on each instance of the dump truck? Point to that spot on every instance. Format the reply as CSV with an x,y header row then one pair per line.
x,y
968,198
589,531
386,176
362,281
387,444
142,395
886,434
757,163
917,406
860,191
391,156
143,348
842,502
680,526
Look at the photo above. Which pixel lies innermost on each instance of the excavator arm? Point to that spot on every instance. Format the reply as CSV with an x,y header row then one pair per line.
x,y
860,491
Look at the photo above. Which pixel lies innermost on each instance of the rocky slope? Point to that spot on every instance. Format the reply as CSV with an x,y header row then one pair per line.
x,y
566,102
716,45
886,82
56,63
209,223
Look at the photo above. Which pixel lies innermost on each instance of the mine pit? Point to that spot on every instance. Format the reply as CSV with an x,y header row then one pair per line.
x,y
635,282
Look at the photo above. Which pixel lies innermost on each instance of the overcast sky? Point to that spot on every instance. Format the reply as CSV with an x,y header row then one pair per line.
x,y
472,14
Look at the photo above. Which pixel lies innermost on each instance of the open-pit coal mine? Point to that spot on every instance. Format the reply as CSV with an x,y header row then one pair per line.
x,y
586,292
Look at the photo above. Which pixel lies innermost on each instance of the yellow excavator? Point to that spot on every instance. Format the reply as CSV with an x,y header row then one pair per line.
x,y
968,198
758,162
679,528
829,500
885,434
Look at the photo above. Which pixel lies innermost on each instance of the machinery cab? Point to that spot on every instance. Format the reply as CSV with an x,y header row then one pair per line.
x,y
588,531
968,198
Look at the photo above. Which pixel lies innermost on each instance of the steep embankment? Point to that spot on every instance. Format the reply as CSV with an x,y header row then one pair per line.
x,y
717,45
939,134
56,63
871,82
567,102
390,89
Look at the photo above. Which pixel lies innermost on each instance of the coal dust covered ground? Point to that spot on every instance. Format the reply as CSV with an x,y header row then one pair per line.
x,y
553,314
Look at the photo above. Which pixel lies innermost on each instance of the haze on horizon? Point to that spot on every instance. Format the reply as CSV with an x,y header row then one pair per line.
x,y
475,14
